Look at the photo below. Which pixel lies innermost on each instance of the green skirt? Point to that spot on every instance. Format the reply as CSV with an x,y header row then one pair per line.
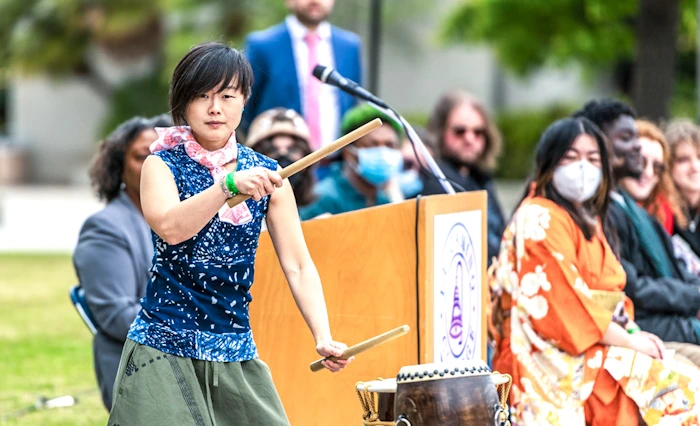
x,y
155,388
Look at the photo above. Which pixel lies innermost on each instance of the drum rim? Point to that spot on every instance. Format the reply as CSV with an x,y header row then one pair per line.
x,y
499,379
371,386
439,371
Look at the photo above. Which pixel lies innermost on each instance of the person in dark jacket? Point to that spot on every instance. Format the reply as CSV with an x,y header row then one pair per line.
x,y
114,251
666,297
469,144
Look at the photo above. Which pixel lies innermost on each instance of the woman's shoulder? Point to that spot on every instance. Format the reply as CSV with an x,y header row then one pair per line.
x,y
172,154
176,159
105,224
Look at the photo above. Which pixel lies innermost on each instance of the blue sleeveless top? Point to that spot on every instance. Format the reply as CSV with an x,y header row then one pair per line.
x,y
196,303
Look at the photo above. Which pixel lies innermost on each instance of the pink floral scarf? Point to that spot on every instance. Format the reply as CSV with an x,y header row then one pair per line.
x,y
214,161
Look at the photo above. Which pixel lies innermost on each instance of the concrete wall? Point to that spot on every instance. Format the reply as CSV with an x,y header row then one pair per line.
x,y
57,122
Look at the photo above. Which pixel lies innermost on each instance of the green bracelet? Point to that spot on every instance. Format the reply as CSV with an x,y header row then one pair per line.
x,y
634,329
231,184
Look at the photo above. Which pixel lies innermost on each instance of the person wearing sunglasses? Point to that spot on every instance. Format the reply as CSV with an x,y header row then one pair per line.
x,y
469,144
654,189
665,295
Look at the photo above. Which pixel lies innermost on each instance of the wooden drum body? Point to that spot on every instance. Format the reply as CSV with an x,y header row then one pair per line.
x,y
459,393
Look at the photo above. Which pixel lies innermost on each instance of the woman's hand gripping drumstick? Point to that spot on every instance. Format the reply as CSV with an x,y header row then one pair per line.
x,y
316,156
361,347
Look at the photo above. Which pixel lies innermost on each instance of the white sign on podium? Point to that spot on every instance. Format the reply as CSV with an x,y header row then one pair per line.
x,y
457,286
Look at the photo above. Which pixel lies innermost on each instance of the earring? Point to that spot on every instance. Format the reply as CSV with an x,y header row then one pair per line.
x,y
243,109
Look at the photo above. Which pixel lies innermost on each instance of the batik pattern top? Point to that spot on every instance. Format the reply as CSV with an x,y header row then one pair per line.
x,y
548,274
196,304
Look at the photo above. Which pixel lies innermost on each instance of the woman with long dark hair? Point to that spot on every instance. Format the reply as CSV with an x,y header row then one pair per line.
x,y
566,335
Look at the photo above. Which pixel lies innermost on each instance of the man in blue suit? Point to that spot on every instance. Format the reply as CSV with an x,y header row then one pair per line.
x,y
283,57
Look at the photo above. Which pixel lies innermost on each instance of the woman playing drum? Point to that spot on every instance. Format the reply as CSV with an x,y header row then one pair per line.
x,y
190,358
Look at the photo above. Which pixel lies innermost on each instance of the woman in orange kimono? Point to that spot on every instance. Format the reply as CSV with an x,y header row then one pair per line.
x,y
575,355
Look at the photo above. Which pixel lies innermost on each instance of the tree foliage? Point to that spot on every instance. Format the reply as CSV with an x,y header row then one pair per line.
x,y
527,34
597,34
531,33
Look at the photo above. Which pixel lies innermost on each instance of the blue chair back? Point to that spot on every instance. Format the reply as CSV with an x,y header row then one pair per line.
x,y
77,296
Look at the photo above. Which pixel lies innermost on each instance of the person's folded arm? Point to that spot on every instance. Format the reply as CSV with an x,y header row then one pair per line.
x,y
666,295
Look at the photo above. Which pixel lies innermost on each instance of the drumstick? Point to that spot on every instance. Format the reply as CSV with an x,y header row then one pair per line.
x,y
317,156
363,346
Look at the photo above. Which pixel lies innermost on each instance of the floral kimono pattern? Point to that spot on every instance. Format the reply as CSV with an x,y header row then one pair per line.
x,y
545,275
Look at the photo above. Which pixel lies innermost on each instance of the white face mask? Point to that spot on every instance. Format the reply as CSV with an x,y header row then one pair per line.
x,y
577,181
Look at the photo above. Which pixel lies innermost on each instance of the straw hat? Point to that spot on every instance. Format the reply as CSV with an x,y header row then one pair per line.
x,y
277,121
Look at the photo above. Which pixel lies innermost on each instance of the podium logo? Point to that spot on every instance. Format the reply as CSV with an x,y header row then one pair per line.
x,y
460,294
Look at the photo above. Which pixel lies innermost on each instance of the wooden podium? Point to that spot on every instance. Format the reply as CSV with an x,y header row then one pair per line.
x,y
381,267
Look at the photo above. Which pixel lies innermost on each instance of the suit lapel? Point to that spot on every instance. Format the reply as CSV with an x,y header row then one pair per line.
x,y
343,65
285,50
339,46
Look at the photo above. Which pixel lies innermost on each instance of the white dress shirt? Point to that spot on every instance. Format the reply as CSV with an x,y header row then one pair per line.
x,y
328,103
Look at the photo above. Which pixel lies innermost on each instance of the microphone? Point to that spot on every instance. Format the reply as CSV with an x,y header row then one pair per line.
x,y
330,76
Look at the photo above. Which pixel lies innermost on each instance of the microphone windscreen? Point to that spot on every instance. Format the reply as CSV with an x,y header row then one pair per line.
x,y
318,72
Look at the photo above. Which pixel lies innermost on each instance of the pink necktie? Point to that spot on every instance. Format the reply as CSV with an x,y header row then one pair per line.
x,y
312,111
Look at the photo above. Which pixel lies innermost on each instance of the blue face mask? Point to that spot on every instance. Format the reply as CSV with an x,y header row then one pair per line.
x,y
410,183
378,164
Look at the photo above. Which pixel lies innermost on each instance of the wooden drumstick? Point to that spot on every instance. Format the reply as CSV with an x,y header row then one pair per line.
x,y
317,155
363,346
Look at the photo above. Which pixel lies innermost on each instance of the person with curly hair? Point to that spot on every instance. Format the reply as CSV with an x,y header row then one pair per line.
x,y
113,255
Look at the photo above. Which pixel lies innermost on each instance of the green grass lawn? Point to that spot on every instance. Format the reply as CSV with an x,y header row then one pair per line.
x,y
45,349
